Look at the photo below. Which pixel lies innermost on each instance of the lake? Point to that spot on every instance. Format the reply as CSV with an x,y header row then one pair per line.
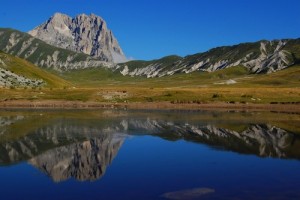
x,y
142,154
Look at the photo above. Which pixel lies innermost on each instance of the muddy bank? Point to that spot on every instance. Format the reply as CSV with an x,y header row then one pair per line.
x,y
51,104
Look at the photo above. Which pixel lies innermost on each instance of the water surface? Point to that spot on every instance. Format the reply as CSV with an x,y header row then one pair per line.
x,y
114,154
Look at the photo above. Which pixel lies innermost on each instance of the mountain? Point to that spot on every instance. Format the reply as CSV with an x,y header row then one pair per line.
x,y
44,55
16,72
87,34
258,57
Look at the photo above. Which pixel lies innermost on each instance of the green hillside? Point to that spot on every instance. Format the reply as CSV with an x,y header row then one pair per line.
x,y
27,70
99,77
40,53
259,57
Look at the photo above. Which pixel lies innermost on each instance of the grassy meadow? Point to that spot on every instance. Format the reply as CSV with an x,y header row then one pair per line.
x,y
233,85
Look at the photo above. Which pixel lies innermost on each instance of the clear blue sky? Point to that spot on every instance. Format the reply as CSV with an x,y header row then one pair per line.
x,y
148,29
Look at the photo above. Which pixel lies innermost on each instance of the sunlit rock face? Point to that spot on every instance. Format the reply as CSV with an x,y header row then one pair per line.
x,y
87,34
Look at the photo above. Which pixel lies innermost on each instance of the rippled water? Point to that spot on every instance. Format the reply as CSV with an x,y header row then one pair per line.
x,y
113,154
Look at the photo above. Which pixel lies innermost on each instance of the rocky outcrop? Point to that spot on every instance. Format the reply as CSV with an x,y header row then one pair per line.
x,y
87,34
10,79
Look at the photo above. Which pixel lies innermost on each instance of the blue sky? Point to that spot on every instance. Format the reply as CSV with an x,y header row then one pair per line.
x,y
148,29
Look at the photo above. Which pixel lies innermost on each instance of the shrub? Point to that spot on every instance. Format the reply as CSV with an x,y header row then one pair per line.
x,y
247,96
149,99
216,95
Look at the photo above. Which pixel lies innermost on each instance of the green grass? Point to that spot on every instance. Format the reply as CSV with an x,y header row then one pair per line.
x,y
289,77
93,77
167,62
97,77
198,87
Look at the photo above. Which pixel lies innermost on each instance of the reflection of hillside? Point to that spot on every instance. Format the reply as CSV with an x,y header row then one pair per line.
x,y
262,140
7,121
65,150
62,133
82,149
83,161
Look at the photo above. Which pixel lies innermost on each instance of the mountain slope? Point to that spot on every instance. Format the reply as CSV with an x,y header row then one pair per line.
x,y
42,54
259,57
18,72
83,33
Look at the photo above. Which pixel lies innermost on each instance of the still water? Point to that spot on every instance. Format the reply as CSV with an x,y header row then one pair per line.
x,y
114,154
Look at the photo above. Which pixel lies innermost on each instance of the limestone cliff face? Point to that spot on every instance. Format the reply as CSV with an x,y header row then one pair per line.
x,y
84,33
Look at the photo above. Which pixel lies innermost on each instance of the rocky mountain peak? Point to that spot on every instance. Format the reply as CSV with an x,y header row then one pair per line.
x,y
59,15
84,33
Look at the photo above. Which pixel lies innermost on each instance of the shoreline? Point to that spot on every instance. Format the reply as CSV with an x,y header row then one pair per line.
x,y
52,104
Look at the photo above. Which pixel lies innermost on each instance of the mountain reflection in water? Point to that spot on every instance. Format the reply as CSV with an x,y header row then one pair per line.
x,y
82,145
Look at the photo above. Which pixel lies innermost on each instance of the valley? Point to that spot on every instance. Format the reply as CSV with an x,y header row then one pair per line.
x,y
149,100
234,86
70,59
